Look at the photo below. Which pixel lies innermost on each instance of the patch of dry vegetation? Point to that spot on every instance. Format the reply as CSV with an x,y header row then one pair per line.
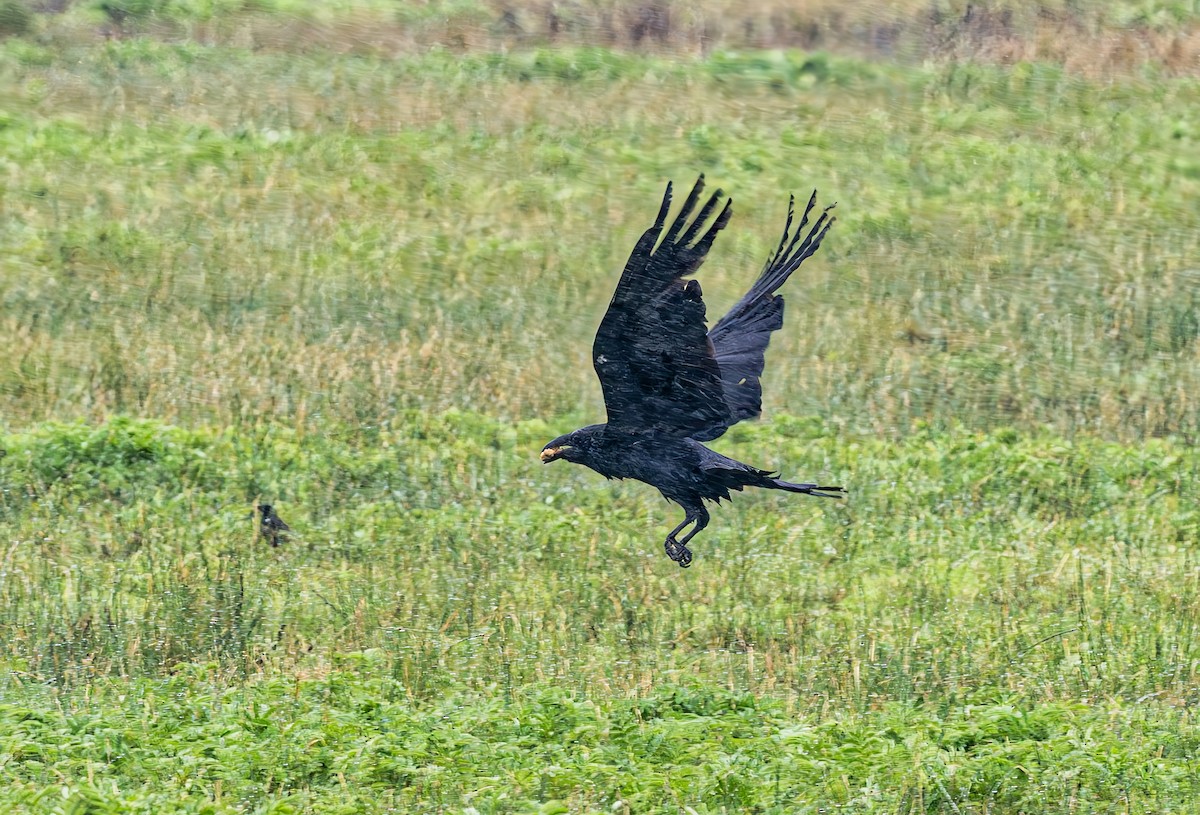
x,y
1090,39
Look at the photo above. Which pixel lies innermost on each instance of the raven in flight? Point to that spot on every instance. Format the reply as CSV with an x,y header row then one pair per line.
x,y
669,384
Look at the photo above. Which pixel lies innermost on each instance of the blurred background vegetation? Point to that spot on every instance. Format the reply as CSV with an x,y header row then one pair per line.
x,y
369,213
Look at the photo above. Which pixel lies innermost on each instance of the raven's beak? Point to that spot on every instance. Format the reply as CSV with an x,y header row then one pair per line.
x,y
552,453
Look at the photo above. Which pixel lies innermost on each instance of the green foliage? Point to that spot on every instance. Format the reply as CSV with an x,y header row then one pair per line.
x,y
466,10
990,621
350,741
134,12
15,18
142,11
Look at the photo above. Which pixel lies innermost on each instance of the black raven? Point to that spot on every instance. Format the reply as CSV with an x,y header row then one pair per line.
x,y
669,384
271,527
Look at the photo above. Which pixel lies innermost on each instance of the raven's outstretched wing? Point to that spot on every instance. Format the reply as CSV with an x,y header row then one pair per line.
x,y
652,351
740,338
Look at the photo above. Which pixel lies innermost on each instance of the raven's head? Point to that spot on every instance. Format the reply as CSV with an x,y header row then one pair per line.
x,y
577,446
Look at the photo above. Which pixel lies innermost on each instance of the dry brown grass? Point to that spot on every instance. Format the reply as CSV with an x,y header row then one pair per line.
x,y
1094,40
1084,41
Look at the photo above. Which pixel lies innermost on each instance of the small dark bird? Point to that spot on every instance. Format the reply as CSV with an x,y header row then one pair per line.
x,y
271,526
669,383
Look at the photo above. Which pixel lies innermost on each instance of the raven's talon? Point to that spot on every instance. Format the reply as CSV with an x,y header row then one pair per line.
x,y
678,552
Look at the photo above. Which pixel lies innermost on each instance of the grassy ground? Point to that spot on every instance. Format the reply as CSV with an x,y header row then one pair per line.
x,y
992,623
216,235
363,286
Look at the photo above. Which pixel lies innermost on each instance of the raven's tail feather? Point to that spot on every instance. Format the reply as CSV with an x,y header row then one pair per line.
x,y
808,489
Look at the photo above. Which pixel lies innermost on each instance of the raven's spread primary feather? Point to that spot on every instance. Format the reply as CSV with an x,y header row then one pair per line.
x,y
670,383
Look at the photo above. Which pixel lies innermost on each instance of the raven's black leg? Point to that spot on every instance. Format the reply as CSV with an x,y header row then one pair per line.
x,y
677,550
701,517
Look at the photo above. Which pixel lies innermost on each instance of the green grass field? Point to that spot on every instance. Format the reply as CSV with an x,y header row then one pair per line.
x,y
350,261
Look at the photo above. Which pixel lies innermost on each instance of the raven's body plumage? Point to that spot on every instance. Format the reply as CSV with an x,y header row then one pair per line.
x,y
669,383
